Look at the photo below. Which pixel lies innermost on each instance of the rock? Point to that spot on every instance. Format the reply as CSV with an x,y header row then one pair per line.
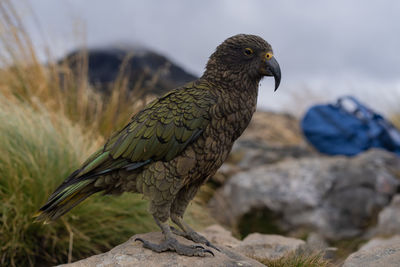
x,y
376,242
338,197
132,253
377,252
263,247
218,235
143,67
389,219
256,246
233,251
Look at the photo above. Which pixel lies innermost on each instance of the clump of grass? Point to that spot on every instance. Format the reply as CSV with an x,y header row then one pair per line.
x,y
298,259
58,87
38,150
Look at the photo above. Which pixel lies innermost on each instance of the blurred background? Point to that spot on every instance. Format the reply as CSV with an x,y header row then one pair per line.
x,y
325,49
73,72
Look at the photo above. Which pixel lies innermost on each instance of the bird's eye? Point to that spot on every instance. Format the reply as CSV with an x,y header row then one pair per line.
x,y
248,51
268,56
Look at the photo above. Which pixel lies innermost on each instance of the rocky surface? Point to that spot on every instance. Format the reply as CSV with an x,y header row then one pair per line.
x,y
389,219
337,197
247,155
141,67
233,252
378,241
216,234
377,252
132,253
262,247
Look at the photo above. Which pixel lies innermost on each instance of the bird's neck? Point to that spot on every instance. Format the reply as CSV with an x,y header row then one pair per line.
x,y
237,99
232,86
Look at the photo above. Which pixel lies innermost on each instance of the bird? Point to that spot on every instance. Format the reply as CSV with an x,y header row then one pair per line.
x,y
176,143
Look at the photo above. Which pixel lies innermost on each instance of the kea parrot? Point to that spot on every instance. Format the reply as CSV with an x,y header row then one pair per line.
x,y
176,143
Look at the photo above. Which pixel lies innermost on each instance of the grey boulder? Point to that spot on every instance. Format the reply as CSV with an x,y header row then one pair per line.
x,y
337,197
377,252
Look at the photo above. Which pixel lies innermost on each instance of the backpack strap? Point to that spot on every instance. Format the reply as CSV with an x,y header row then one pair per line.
x,y
360,111
364,114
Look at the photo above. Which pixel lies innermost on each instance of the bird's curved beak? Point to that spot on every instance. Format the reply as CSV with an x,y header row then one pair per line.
x,y
271,68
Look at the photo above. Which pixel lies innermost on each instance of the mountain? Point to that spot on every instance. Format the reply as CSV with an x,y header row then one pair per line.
x,y
140,66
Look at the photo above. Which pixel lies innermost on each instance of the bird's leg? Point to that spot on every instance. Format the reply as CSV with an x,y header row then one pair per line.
x,y
171,244
178,209
189,233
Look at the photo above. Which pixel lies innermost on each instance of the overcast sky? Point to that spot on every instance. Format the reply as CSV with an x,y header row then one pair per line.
x,y
325,48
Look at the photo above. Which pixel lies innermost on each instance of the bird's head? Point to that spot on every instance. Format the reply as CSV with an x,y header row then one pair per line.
x,y
244,54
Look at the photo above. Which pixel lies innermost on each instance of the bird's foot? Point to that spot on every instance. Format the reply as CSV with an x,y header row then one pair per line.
x,y
195,237
171,244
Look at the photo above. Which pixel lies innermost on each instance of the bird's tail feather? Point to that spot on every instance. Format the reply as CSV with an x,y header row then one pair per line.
x,y
65,198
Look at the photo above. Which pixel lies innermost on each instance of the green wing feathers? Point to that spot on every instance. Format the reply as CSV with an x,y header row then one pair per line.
x,y
159,132
164,129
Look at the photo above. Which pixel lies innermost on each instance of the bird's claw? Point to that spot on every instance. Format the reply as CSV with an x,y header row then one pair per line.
x,y
209,251
208,244
195,237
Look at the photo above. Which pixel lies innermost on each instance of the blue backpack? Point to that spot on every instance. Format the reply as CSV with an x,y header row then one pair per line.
x,y
348,128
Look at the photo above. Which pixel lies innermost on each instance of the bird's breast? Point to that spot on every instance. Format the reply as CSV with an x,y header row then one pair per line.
x,y
228,121
232,114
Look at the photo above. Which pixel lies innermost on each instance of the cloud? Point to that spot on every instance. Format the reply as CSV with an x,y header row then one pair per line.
x,y
330,40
